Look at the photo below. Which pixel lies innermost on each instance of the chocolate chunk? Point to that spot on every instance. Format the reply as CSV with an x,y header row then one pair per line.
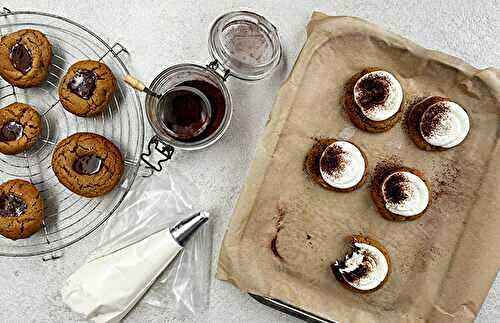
x,y
396,189
374,90
365,267
358,273
11,131
333,161
83,83
12,205
20,57
88,164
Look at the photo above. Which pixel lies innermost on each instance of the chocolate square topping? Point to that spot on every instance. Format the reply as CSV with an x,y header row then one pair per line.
x,y
12,205
88,164
11,131
83,83
21,59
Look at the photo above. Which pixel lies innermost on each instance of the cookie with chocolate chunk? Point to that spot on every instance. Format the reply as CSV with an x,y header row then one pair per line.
x,y
88,164
25,56
87,88
21,209
366,268
20,128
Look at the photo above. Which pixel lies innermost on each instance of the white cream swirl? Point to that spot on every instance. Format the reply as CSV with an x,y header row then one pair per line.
x,y
379,95
342,165
405,194
444,124
374,261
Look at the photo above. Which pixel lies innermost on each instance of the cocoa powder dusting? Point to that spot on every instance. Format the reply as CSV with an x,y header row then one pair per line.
x,y
374,90
333,161
411,102
444,182
432,119
386,166
396,189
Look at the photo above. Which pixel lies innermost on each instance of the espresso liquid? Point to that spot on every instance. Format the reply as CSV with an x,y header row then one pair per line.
x,y
184,113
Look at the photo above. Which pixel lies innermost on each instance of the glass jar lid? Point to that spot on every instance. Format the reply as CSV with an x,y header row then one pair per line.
x,y
246,44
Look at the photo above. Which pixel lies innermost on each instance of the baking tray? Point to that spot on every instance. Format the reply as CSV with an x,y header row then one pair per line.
x,y
290,309
445,246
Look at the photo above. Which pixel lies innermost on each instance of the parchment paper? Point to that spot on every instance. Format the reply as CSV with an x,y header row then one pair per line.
x,y
443,263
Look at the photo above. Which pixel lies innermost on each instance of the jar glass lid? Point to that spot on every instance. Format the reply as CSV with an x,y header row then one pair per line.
x,y
246,44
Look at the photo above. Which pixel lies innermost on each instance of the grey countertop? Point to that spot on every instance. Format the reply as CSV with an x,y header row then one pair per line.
x,y
162,33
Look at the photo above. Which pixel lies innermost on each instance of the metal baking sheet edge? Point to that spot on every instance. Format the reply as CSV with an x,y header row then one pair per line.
x,y
290,309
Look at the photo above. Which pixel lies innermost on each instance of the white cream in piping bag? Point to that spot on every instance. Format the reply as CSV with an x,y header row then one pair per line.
x,y
371,257
351,172
106,288
390,105
416,191
451,126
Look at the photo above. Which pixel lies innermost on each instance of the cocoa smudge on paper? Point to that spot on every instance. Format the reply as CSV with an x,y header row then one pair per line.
x,y
278,220
444,182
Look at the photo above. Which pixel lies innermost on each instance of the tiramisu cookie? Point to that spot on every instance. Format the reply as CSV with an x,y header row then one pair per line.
x,y
401,193
25,56
336,165
21,209
87,88
366,268
373,100
88,164
20,128
437,123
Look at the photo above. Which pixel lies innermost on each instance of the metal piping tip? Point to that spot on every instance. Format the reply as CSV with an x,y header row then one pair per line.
x,y
184,229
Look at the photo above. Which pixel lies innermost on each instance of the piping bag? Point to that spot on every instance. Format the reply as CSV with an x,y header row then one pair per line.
x,y
107,288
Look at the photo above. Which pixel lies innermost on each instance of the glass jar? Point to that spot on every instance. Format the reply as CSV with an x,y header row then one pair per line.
x,y
173,77
242,44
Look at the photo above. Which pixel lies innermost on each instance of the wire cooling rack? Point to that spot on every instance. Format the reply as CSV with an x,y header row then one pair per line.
x,y
68,217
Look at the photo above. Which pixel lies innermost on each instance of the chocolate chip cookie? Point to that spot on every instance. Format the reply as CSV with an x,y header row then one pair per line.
x,y
20,128
87,88
21,209
25,56
88,164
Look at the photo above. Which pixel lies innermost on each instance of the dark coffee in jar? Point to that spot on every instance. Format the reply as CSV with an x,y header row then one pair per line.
x,y
193,110
185,112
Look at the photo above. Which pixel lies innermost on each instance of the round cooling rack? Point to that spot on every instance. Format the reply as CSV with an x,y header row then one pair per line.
x,y
69,217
